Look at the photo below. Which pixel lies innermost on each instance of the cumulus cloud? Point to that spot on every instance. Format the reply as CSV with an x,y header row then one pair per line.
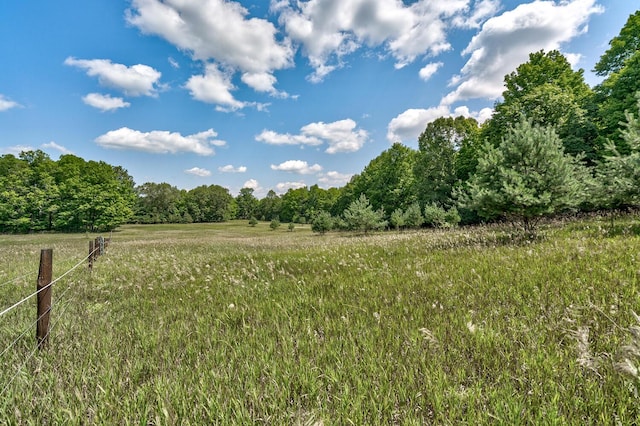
x,y
272,138
216,30
104,102
159,141
408,125
283,187
483,9
252,183
505,41
297,166
329,30
6,104
334,179
230,169
214,87
430,69
136,80
197,171
341,136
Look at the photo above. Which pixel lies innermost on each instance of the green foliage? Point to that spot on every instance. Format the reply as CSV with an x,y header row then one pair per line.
x,y
291,226
322,223
387,181
247,204
413,217
397,219
548,92
275,224
526,177
619,174
439,163
435,216
253,221
360,216
452,217
68,195
621,48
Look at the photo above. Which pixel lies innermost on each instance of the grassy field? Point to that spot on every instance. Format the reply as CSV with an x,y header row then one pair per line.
x,y
228,324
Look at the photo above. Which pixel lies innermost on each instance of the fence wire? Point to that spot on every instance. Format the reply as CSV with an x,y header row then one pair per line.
x,y
15,305
31,325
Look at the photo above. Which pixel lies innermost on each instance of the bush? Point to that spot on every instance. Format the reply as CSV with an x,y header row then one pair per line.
x,y
322,223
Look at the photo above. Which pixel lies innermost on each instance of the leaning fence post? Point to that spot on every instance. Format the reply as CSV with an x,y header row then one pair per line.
x,y
45,273
91,248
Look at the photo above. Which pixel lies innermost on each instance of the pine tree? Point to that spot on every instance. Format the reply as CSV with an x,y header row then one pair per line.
x,y
528,176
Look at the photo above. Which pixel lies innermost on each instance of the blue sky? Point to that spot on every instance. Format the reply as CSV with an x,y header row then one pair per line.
x,y
267,94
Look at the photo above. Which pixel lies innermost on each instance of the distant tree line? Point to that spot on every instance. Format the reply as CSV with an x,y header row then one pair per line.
x,y
553,144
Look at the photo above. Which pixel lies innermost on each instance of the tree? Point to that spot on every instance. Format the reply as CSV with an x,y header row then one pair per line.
x,y
387,181
616,95
548,92
397,219
360,216
275,224
269,207
526,177
618,175
413,216
438,165
322,223
247,203
210,203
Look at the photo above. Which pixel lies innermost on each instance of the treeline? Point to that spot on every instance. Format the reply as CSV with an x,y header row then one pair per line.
x,y
553,144
70,195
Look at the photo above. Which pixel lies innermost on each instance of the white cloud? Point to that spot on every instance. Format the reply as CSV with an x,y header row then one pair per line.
x,y
159,141
16,149
328,30
252,183
505,42
341,136
410,124
272,138
263,82
283,187
297,166
56,147
430,69
197,171
334,179
173,62
104,102
6,104
217,30
214,87
136,80
230,169
483,9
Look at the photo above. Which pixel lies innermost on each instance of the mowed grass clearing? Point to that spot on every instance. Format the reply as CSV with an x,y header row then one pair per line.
x,y
229,324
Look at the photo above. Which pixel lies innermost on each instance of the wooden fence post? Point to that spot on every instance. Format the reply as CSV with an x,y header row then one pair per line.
x,y
91,248
96,248
45,274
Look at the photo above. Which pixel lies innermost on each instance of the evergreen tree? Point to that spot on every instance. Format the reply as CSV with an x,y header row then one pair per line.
x,y
527,177
360,216
618,175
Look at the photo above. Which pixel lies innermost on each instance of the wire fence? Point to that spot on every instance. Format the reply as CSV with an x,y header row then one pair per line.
x,y
61,303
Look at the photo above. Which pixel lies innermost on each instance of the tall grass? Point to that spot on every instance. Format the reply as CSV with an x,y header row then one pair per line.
x,y
228,324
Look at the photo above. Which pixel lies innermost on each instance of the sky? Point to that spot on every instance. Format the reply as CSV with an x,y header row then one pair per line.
x,y
269,95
